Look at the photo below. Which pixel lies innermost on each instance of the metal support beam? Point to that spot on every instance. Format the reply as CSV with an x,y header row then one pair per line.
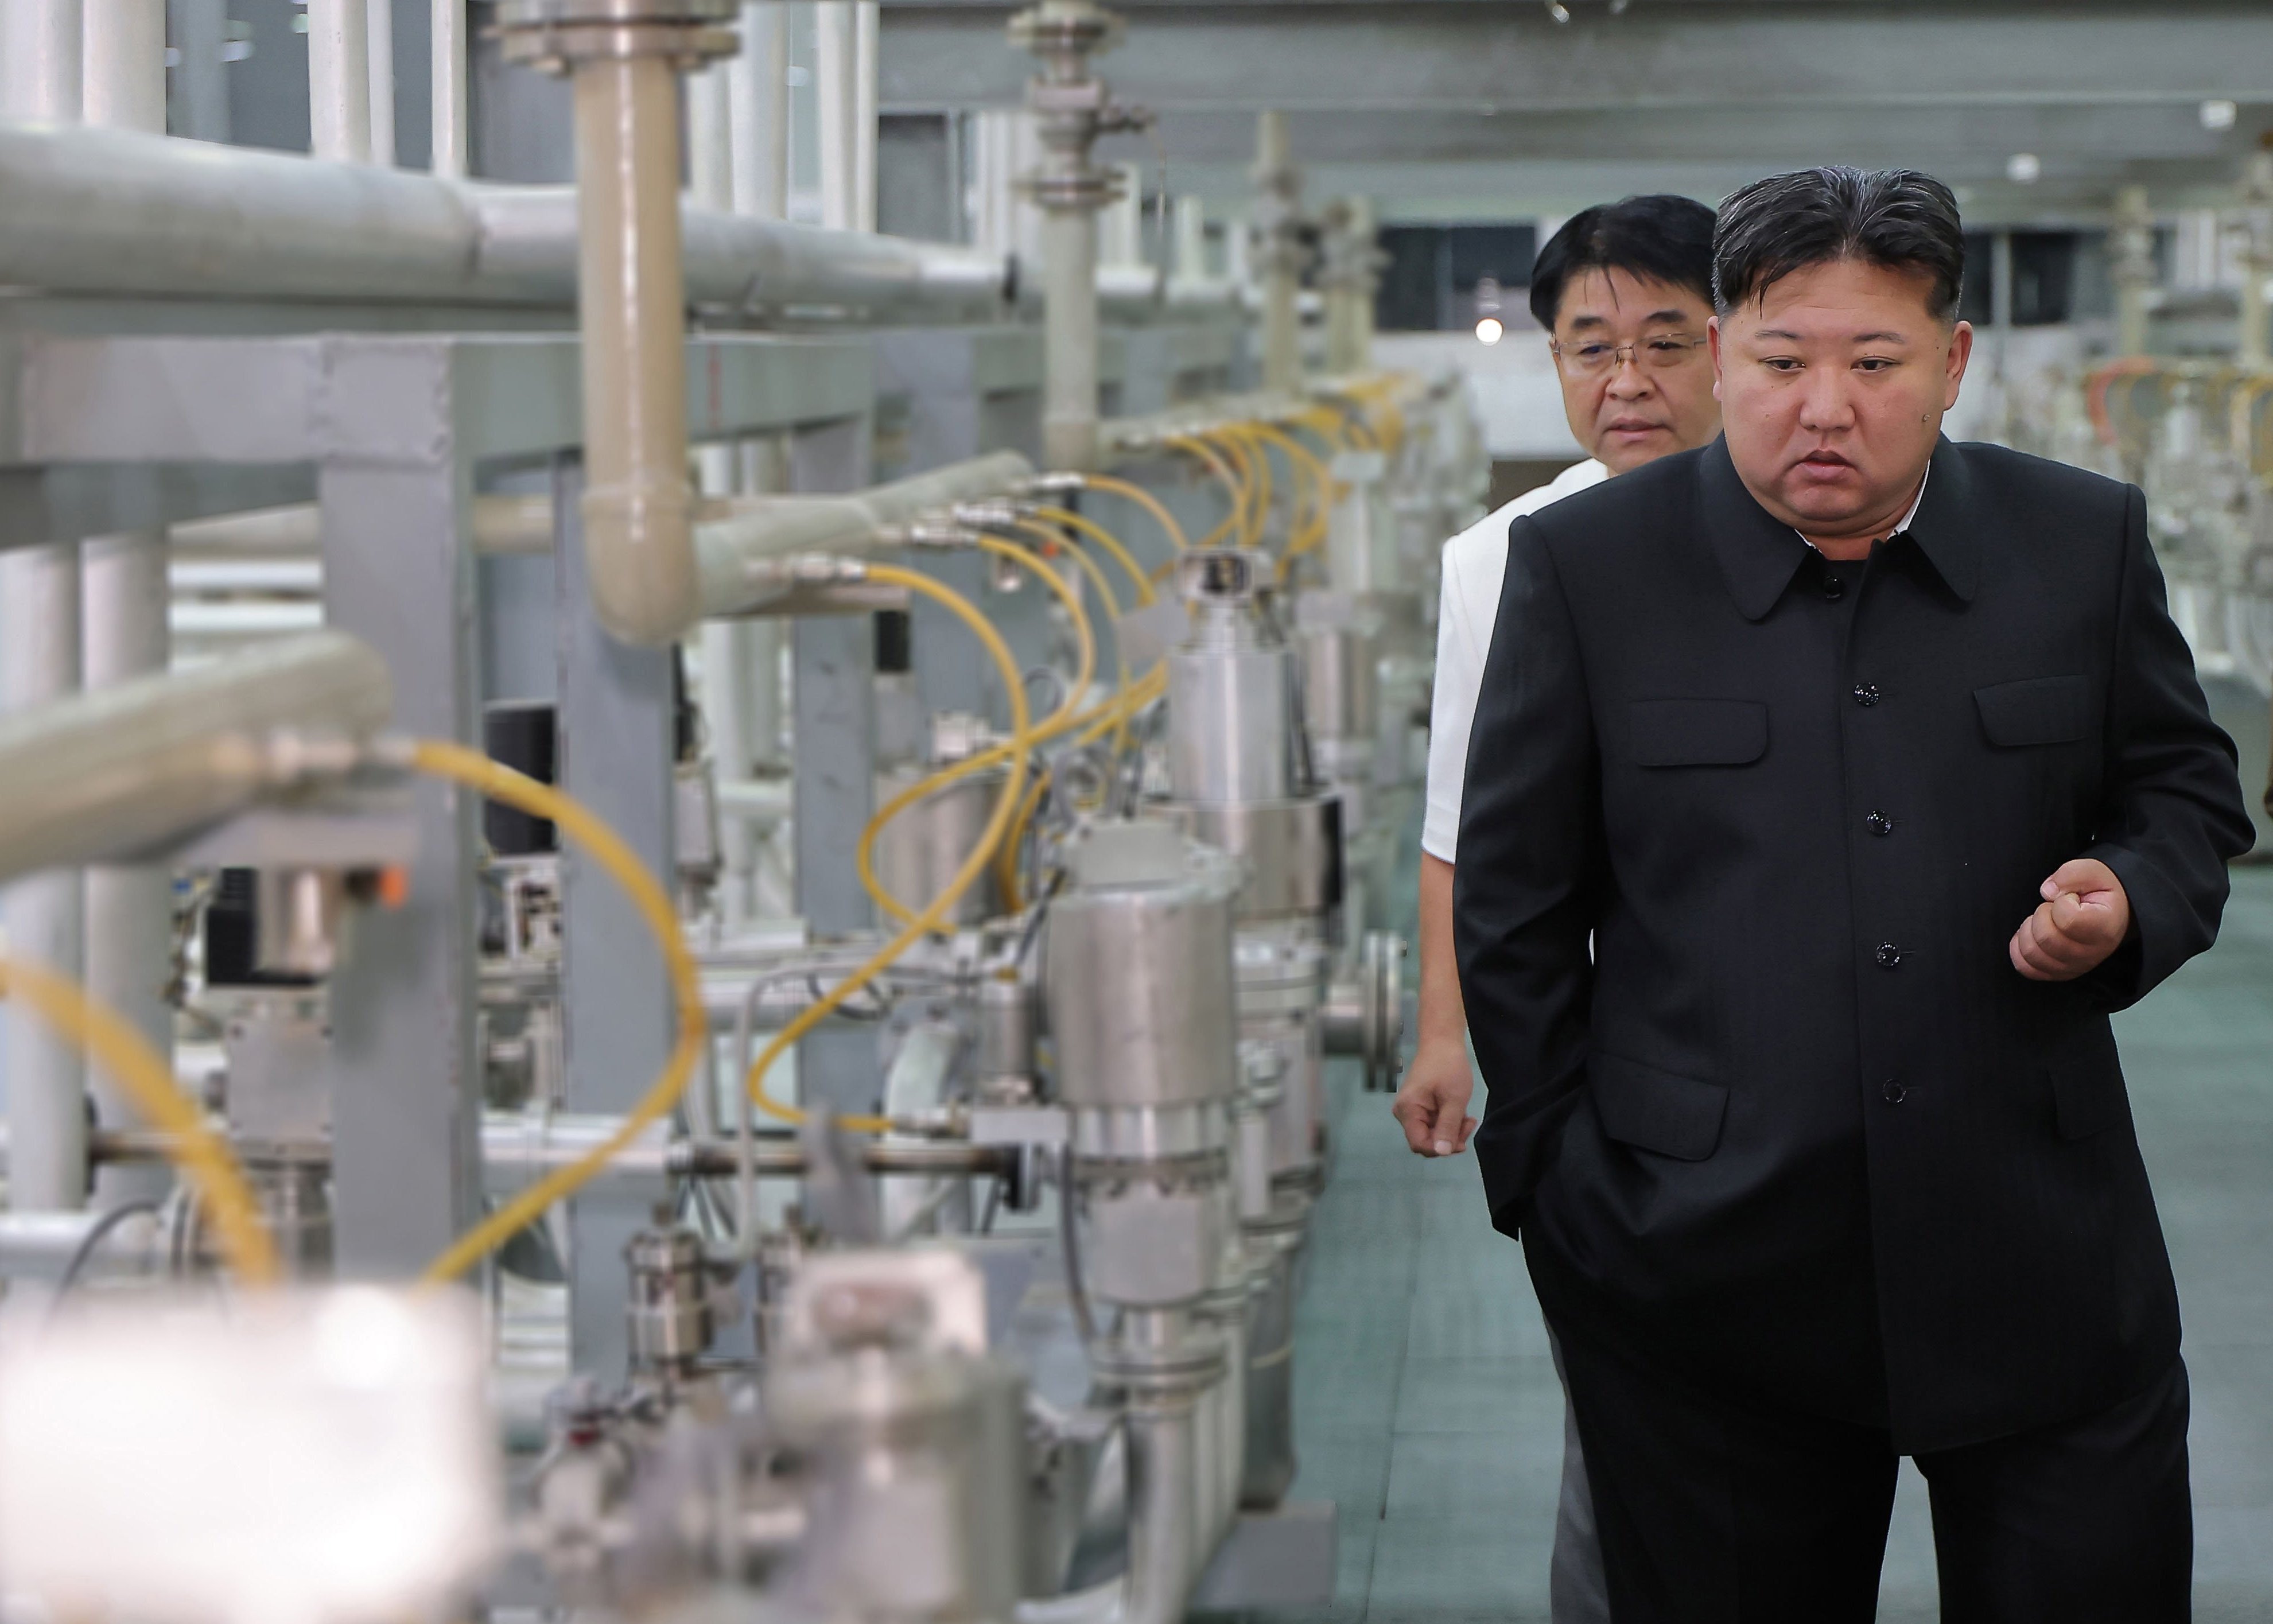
x,y
614,755
405,1083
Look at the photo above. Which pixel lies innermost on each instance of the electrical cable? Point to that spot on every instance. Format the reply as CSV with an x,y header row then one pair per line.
x,y
1021,743
1146,499
1222,469
203,1157
84,1252
1104,538
578,823
1067,716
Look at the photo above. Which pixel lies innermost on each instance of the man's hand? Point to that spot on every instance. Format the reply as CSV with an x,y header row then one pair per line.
x,y
2084,918
1433,1104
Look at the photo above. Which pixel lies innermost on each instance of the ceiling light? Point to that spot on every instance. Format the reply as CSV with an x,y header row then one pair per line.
x,y
1490,330
2024,168
2218,114
1559,12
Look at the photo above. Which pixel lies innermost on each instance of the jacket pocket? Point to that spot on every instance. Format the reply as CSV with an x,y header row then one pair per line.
x,y
1650,1109
2088,1092
1698,733
2039,711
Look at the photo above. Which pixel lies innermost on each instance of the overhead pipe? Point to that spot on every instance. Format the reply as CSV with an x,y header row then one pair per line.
x,y
122,770
115,211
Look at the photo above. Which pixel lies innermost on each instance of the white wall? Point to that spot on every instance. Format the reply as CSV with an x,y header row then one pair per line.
x,y
1513,382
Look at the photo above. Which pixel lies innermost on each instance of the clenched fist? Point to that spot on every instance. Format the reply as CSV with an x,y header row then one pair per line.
x,y
2084,918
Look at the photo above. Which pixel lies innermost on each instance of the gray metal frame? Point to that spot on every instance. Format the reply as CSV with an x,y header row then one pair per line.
x,y
394,427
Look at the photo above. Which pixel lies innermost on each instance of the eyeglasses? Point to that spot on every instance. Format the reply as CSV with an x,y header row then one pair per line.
x,y
1659,352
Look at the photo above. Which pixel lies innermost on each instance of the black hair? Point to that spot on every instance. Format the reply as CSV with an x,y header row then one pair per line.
x,y
1897,219
1663,238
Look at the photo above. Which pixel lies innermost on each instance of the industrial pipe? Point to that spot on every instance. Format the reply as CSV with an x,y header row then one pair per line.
x,y
739,555
638,506
116,772
118,211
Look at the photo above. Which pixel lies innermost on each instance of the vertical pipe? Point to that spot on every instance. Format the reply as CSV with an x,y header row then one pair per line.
x,y
637,507
448,49
124,65
2133,270
339,81
1282,327
758,106
1164,1542
710,140
865,43
1191,260
42,45
2254,340
47,1109
200,88
127,917
1368,241
378,31
1069,338
2000,277
835,31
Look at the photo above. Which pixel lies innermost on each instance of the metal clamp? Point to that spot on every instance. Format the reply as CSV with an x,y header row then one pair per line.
x,y
554,35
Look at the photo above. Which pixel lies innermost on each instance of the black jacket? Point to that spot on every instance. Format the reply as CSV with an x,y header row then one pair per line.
x,y
1796,1122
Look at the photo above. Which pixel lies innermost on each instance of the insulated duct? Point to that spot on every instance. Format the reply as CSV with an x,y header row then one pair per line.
x,y
121,770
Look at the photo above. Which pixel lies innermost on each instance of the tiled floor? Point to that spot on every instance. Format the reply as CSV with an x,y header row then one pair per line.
x,y
1427,1408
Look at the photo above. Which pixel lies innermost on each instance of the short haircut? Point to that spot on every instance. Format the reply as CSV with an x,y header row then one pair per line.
x,y
1897,219
1663,238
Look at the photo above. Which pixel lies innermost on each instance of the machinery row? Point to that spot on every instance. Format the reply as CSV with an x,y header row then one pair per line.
x,y
754,1018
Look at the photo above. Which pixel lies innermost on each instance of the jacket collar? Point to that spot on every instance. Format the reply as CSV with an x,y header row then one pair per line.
x,y
1759,554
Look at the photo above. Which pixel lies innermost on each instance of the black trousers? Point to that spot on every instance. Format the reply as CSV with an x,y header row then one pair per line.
x,y
1714,1512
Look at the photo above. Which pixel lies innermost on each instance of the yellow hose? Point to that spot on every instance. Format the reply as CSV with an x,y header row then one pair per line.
x,y
1020,745
203,1156
1222,469
1064,716
442,759
1103,538
1146,499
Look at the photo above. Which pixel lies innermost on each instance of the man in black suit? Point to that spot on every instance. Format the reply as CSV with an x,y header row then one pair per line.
x,y
1829,787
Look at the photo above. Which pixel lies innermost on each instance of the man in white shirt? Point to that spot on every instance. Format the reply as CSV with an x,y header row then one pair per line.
x,y
1625,289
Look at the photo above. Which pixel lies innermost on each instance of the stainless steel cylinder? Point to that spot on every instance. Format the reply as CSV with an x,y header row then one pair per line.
x,y
1137,976
1292,851
671,1317
1340,683
915,1483
1231,718
1270,1385
1282,983
918,852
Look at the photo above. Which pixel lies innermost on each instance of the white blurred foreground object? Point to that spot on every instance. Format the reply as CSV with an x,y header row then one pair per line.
x,y
316,1457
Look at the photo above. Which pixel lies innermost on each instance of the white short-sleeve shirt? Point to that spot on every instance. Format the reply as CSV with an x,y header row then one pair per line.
x,y
1476,563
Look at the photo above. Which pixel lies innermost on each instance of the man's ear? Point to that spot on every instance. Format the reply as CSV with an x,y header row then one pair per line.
x,y
1960,351
1712,342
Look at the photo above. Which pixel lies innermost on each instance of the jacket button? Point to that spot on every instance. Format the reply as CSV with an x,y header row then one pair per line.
x,y
1888,955
1833,588
1879,824
1866,695
1893,1092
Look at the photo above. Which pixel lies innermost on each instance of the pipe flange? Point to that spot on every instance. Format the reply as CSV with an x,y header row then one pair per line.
x,y
1177,1371
1091,188
554,35
1111,1175
1075,30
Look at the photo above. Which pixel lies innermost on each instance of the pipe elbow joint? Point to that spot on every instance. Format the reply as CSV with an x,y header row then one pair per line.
x,y
639,551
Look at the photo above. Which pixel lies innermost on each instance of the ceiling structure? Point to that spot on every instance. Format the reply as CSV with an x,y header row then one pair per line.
x,y
1489,109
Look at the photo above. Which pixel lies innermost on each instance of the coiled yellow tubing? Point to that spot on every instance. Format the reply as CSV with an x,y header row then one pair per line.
x,y
1019,746
1066,716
